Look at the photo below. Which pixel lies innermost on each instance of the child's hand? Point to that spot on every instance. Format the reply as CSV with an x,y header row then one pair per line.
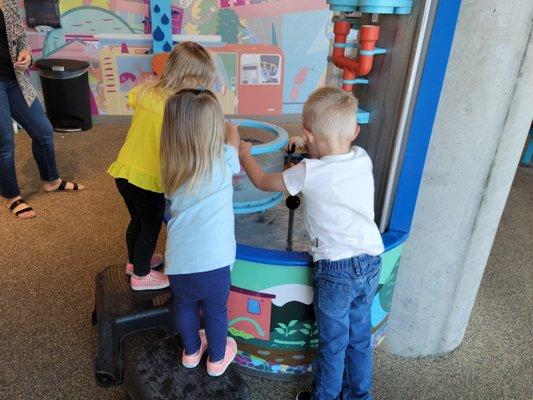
x,y
232,134
245,148
296,141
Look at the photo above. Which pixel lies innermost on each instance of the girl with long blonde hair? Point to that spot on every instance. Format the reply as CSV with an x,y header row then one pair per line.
x,y
137,169
198,159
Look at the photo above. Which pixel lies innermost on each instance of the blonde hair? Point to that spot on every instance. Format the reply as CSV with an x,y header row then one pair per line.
x,y
187,65
331,111
192,138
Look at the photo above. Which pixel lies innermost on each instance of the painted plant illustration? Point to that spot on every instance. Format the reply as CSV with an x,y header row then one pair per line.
x,y
286,329
309,330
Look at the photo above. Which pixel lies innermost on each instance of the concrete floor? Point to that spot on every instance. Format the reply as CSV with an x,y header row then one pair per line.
x,y
49,264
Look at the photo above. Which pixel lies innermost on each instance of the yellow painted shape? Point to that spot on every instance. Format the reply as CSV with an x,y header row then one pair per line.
x,y
100,3
65,5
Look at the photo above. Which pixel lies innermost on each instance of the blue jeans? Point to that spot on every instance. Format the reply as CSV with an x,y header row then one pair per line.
x,y
343,293
209,292
34,121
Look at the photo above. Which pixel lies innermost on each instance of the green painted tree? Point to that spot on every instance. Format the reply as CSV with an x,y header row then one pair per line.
x,y
228,26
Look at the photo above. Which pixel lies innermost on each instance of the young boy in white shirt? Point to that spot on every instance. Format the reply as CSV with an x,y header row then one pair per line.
x,y
338,189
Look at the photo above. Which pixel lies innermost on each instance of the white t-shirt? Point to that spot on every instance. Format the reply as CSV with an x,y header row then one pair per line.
x,y
339,204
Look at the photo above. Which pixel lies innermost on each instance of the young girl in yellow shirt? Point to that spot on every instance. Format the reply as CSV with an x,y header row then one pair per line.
x,y
137,168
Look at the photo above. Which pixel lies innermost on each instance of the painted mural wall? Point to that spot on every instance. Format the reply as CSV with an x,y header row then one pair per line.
x,y
273,53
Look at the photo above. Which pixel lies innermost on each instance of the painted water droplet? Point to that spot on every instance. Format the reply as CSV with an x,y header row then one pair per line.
x,y
158,34
167,47
156,8
164,19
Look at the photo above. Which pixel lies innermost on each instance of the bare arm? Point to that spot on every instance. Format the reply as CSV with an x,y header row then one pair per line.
x,y
232,135
266,182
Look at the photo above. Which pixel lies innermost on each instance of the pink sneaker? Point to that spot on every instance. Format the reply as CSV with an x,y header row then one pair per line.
x,y
217,369
156,261
153,281
193,360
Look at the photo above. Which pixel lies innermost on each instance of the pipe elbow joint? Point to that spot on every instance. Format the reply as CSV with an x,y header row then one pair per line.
x,y
340,60
365,65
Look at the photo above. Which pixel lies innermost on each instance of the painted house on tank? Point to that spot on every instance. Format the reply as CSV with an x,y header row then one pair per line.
x,y
249,313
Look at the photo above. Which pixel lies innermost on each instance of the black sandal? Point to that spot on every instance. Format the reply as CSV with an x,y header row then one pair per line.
x,y
17,203
62,186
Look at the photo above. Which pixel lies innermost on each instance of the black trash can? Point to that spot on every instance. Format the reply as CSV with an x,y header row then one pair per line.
x,y
65,86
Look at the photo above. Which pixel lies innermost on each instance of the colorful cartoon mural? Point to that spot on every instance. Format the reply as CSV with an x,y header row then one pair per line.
x,y
275,50
271,314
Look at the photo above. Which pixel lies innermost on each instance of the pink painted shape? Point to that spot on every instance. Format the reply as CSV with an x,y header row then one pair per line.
x,y
132,7
279,7
92,102
147,27
127,76
297,82
229,3
177,20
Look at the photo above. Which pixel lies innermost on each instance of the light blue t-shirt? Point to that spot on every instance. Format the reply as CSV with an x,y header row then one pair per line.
x,y
201,229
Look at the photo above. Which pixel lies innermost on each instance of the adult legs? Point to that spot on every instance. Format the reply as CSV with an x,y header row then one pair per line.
x,y
9,187
34,121
8,178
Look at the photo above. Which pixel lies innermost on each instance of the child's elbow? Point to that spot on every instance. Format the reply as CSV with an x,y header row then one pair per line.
x,y
267,184
258,182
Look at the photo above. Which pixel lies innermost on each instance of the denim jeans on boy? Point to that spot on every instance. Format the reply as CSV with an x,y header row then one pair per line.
x,y
343,293
34,121
209,292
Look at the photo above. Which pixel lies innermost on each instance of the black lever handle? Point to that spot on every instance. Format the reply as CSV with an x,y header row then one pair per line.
x,y
292,203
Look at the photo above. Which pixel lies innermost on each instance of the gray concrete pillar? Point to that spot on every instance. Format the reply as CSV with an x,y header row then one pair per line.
x,y
482,121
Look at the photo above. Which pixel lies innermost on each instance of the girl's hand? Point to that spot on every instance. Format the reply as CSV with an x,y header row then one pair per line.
x,y
232,134
23,60
297,141
245,148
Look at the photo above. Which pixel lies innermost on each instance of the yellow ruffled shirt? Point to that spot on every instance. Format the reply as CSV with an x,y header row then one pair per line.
x,y
138,160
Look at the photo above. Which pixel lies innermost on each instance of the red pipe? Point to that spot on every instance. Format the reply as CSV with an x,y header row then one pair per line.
x,y
353,67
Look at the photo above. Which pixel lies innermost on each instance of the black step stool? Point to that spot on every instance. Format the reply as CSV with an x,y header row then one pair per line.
x,y
119,312
155,372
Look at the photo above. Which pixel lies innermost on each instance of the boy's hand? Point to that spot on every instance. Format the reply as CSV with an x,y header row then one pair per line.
x,y
296,141
232,134
245,148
